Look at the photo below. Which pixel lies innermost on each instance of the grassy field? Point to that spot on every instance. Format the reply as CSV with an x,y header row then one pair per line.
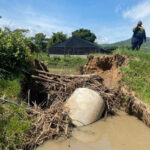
x,y
137,73
62,64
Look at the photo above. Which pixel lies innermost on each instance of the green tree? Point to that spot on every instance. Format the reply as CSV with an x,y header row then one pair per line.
x,y
85,34
41,41
56,38
21,30
7,30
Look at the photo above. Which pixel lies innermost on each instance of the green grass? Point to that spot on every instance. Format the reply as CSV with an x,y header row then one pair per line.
x,y
14,126
14,120
64,60
137,73
142,54
10,89
62,64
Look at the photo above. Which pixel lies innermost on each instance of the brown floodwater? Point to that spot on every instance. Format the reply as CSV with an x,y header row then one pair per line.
x,y
121,132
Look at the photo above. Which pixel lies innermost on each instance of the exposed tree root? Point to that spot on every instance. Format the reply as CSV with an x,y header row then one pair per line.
x,y
134,106
50,123
139,109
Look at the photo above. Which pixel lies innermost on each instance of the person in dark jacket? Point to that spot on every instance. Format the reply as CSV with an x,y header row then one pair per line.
x,y
139,36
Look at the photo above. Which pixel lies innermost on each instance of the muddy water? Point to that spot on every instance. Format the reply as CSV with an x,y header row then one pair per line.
x,y
121,132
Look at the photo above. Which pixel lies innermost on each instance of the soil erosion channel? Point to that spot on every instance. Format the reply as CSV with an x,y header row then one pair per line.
x,y
121,132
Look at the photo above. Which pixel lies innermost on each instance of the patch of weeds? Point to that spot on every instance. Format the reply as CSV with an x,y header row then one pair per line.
x,y
14,125
9,89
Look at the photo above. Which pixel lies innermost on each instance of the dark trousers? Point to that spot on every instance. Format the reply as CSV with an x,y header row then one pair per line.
x,y
136,43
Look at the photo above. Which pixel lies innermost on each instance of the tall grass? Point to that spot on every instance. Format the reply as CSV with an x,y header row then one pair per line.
x,y
10,89
14,120
14,125
144,55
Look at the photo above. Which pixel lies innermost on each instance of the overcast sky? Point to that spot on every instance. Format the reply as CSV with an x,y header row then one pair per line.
x,y
110,20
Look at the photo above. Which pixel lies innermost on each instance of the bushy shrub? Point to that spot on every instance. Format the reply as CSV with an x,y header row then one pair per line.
x,y
55,59
14,52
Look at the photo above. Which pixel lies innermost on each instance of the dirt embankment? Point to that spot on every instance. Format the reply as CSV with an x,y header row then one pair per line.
x,y
107,67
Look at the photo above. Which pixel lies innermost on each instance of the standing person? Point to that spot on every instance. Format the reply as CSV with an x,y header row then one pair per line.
x,y
139,36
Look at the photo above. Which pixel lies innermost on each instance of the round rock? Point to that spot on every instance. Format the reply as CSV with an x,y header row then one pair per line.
x,y
85,106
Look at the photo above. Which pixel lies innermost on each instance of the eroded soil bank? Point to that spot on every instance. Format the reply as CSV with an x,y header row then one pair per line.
x,y
121,132
107,67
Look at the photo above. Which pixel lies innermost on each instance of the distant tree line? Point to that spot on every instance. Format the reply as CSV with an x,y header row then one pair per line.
x,y
44,44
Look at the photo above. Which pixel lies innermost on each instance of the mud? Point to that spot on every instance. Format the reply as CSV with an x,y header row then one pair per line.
x,y
121,132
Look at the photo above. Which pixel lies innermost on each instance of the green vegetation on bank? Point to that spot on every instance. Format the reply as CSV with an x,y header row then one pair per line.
x,y
9,89
14,120
137,74
14,126
15,55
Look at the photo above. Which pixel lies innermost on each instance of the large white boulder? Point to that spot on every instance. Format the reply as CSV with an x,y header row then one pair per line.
x,y
85,106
